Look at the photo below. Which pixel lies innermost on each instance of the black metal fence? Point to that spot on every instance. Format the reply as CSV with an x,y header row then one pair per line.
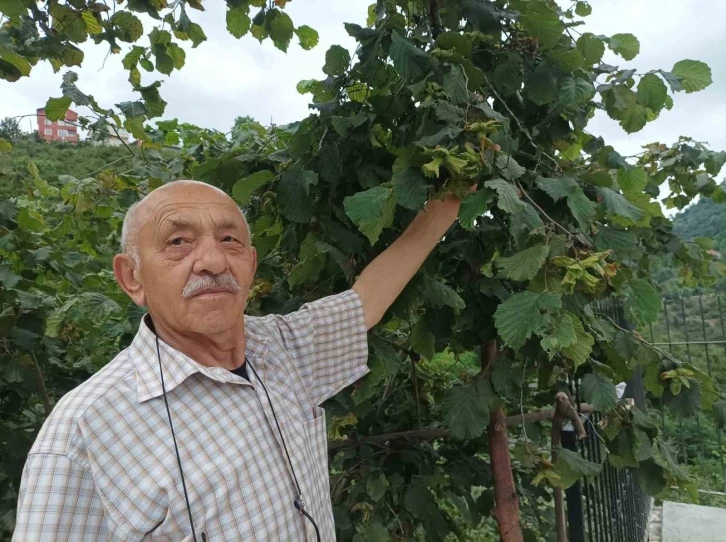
x,y
693,329
613,507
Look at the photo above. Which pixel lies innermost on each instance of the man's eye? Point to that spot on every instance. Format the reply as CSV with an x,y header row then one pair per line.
x,y
229,239
178,241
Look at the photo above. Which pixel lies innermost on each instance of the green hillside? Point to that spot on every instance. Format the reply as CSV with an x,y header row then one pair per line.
x,y
703,219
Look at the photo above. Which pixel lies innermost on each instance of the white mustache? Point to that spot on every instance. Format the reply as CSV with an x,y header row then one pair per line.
x,y
208,282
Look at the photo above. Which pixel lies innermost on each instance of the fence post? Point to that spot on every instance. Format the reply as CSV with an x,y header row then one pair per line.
x,y
573,496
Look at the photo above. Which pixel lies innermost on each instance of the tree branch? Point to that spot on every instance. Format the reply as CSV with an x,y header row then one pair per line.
x,y
440,432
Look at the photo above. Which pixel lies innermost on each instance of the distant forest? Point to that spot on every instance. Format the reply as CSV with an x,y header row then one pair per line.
x,y
703,219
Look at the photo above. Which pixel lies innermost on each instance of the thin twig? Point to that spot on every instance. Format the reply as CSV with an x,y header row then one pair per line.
x,y
107,165
41,383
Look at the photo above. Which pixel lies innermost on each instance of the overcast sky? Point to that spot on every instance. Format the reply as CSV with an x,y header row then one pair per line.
x,y
225,77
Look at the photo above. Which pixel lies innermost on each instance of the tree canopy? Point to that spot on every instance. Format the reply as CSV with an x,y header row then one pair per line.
x,y
438,96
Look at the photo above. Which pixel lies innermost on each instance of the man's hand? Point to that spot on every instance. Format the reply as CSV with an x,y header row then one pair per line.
x,y
384,278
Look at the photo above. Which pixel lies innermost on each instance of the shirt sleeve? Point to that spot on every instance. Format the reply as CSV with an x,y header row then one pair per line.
x,y
328,340
58,501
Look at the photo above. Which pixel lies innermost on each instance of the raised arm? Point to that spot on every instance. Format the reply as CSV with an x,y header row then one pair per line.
x,y
384,278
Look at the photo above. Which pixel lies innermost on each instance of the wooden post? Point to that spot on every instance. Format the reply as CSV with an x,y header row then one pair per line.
x,y
506,501
563,411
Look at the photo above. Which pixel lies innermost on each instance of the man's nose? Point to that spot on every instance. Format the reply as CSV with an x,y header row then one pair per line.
x,y
210,258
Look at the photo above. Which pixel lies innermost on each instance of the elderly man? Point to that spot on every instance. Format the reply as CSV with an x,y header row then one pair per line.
x,y
207,427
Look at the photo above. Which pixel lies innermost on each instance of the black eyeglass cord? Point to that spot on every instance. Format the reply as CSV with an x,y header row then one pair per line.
x,y
298,502
176,448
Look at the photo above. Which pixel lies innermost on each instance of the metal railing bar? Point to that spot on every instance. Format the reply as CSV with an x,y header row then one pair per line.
x,y
686,343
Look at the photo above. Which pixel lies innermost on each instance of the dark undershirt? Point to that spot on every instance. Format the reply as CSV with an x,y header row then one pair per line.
x,y
241,371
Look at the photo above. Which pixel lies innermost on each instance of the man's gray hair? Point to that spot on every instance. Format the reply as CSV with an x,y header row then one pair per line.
x,y
130,233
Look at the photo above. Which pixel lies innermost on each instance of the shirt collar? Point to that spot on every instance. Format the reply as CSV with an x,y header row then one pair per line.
x,y
178,366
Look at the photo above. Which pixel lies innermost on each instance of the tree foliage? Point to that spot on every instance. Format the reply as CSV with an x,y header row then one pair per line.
x,y
439,96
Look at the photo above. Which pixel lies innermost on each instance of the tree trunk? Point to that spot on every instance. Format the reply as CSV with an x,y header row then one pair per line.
x,y
506,501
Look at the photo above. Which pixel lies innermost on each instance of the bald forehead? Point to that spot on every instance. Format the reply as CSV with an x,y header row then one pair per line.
x,y
167,204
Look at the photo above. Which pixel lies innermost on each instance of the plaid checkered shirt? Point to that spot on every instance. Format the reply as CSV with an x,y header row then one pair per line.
x,y
104,467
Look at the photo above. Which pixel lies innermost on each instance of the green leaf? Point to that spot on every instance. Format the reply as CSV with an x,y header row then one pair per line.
x,y
583,9
310,263
508,167
410,187
243,189
632,179
543,84
13,8
599,391
410,61
371,210
455,85
132,109
308,37
571,466
560,333
419,501
466,411
525,264
422,341
575,93
591,47
155,106
376,487
91,23
517,318
128,26
437,295
652,92
618,205
238,21
719,413
694,75
53,323
281,28
448,112
56,108
579,351
621,104
507,196
685,403
456,41
474,206
643,300
558,187
294,194
135,126
625,45
343,124
177,54
341,259
30,220
541,21
337,59
8,279
5,146
196,34
582,208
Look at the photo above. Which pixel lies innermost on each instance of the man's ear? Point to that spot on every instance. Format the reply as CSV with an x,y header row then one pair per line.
x,y
128,278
